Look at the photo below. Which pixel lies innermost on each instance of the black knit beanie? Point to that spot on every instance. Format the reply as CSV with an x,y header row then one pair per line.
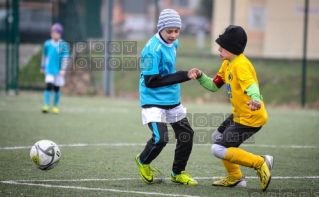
x,y
233,39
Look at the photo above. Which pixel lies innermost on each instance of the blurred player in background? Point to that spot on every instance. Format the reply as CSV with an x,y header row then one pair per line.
x,y
249,113
53,65
159,88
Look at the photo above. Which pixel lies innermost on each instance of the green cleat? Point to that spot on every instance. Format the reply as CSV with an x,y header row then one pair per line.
x,y
183,178
55,110
45,109
147,172
264,172
230,182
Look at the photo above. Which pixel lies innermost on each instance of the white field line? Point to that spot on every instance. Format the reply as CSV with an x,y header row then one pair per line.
x,y
130,179
94,189
143,144
30,183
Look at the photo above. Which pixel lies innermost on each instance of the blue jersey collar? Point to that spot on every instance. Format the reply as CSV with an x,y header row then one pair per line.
x,y
55,43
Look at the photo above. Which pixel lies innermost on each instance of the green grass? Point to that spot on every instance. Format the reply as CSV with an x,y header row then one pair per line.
x,y
99,123
29,75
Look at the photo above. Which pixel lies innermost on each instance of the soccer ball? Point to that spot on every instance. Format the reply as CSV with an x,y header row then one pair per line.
x,y
45,154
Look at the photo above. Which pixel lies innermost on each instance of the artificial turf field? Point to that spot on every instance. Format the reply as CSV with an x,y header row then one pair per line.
x,y
99,139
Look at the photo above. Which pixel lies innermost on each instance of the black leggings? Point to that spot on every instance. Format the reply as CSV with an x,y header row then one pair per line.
x,y
184,143
50,87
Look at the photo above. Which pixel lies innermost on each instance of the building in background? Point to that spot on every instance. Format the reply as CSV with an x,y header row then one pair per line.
x,y
136,22
274,28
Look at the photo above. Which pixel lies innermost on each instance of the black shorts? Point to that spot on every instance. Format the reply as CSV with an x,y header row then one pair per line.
x,y
233,133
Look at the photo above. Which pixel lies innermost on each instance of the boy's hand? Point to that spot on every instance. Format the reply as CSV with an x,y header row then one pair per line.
x,y
194,73
42,70
62,72
254,105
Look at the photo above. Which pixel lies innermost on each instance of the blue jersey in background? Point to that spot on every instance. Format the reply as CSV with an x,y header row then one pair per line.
x,y
53,53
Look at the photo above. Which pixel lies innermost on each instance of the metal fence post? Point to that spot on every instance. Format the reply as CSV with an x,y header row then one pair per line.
x,y
8,11
15,55
304,59
108,73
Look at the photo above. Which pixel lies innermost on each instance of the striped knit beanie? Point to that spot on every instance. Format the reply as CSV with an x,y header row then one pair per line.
x,y
169,18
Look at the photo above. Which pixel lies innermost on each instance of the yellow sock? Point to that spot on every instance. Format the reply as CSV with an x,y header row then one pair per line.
x,y
232,169
244,158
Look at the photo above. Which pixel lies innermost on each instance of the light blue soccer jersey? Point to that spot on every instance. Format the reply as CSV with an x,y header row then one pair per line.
x,y
54,52
158,57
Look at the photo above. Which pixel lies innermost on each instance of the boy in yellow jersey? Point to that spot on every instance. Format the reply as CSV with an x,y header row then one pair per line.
x,y
248,115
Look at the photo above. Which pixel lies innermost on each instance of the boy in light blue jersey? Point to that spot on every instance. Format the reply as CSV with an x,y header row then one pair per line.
x,y
159,89
54,58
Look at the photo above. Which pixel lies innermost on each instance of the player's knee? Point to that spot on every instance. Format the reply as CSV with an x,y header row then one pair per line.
x,y
185,137
189,133
219,151
56,88
49,86
217,136
185,127
162,142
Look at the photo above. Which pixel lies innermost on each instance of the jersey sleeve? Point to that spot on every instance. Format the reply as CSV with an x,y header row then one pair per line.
x,y
221,71
245,77
208,83
253,92
44,55
149,64
64,56
154,81
65,49
45,49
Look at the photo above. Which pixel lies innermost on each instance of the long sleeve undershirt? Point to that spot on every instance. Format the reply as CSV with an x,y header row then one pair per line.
x,y
252,91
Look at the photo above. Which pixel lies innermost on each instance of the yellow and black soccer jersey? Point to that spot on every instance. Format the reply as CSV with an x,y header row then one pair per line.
x,y
238,75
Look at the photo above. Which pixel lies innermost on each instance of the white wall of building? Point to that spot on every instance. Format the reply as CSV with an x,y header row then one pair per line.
x,y
274,27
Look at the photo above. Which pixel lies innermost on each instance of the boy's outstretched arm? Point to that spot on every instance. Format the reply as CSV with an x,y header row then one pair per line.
x,y
154,81
208,83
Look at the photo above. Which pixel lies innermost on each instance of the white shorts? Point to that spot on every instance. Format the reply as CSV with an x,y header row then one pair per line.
x,y
155,114
57,80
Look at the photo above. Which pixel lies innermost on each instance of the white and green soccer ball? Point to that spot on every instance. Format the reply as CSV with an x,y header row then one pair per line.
x,y
45,154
